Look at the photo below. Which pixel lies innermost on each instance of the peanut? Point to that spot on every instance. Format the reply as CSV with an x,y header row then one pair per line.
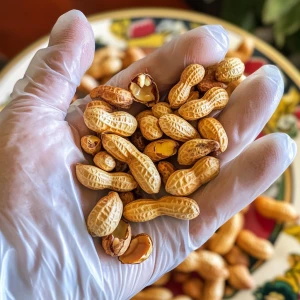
x,y
193,96
190,77
97,179
143,114
143,210
119,122
185,181
213,289
104,161
277,210
255,246
237,257
161,109
193,288
190,264
141,166
165,169
162,280
101,104
87,83
223,240
177,128
126,197
105,216
132,54
194,149
240,277
212,129
150,128
138,141
91,144
229,69
154,293
161,149
215,98
113,95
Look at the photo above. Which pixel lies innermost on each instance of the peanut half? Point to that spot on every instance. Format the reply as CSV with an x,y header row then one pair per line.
x,y
229,69
105,216
143,210
160,109
97,179
104,161
150,128
161,149
91,144
185,181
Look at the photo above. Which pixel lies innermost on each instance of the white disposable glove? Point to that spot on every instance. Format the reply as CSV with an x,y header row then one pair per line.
x,y
45,249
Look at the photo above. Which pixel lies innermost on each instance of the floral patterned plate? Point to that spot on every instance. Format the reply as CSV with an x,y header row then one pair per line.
x,y
278,278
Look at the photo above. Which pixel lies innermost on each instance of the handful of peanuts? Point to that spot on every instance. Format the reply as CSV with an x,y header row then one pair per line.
x,y
146,144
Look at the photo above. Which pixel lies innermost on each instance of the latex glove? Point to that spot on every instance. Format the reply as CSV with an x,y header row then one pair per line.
x,y
45,249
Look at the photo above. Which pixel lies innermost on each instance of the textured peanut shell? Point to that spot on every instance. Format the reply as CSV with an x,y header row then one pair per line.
x,y
190,77
113,95
194,149
212,129
213,289
177,128
193,288
97,179
105,216
161,149
240,277
101,104
104,161
215,98
150,129
255,246
142,114
160,109
185,181
165,170
229,69
154,293
143,210
91,144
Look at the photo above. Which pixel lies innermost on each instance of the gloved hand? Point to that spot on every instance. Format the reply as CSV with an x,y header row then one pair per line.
x,y
45,249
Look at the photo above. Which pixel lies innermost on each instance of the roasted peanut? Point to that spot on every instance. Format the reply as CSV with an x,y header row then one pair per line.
x,y
185,181
209,81
127,197
212,129
193,96
223,240
193,288
229,69
190,77
120,122
113,95
215,98
140,248
143,210
161,149
244,51
154,293
140,165
87,83
161,109
142,114
101,104
277,210
91,144
255,246
104,161
213,289
162,280
132,54
144,89
237,257
177,128
105,216
138,141
97,179
190,264
165,169
150,128
193,150
240,277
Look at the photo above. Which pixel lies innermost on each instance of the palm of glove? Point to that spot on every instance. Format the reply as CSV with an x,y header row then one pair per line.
x,y
43,206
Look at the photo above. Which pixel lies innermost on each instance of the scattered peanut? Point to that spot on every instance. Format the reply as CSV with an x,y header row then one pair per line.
x,y
101,104
91,144
240,277
160,109
193,288
142,114
165,169
150,128
229,69
104,161
190,264
213,289
161,149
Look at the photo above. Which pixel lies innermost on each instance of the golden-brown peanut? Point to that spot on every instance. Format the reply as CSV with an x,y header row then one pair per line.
x,y
105,216
277,210
162,280
161,149
142,114
91,144
87,83
193,150
139,250
193,288
143,210
154,293
244,50
240,277
229,69
113,95
97,179
165,170
237,257
132,54
116,243
127,197
150,128
190,77
140,165
180,277
193,96
234,84
177,128
215,98
119,122
190,264
138,140
161,109
212,129
223,240
213,289
104,161
185,181
144,89
255,246
101,104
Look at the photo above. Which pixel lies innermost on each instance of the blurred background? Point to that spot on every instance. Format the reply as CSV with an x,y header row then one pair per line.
x,y
275,21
